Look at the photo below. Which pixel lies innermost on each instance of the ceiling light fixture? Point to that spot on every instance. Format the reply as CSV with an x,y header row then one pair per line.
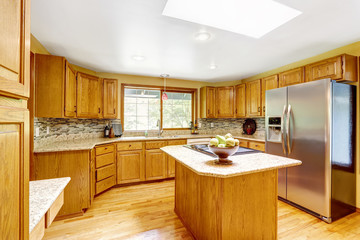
x,y
138,58
164,96
202,36
213,66
253,18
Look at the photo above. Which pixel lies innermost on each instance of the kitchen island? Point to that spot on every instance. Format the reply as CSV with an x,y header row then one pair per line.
x,y
237,201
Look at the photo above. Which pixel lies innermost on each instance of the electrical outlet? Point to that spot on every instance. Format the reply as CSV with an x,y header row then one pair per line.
x,y
212,125
37,132
47,130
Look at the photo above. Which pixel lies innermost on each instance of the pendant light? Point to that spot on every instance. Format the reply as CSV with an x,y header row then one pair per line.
x,y
164,96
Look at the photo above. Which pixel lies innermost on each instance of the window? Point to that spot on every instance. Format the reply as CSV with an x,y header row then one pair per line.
x,y
144,107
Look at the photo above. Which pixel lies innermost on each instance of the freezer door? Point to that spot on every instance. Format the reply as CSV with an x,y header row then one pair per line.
x,y
276,102
309,111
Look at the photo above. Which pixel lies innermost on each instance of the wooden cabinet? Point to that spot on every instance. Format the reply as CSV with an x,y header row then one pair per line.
x,y
14,173
88,96
105,164
130,166
110,100
257,146
224,102
268,83
55,84
341,67
15,48
240,100
155,160
74,164
291,77
171,160
207,102
253,98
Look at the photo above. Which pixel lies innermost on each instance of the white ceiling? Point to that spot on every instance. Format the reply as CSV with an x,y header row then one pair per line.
x,y
103,35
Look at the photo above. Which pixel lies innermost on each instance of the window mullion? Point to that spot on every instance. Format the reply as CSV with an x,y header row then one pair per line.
x,y
161,109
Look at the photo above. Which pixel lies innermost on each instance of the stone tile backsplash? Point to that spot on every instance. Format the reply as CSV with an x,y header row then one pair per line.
x,y
64,128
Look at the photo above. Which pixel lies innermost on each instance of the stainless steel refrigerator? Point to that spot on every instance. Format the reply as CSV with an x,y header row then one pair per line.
x,y
315,122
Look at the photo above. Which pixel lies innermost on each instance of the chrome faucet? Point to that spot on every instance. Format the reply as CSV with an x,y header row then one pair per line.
x,y
160,129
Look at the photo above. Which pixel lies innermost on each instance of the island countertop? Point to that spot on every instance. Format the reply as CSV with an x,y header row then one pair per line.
x,y
203,164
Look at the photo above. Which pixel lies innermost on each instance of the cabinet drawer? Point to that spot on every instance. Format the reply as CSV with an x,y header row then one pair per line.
x,y
105,184
257,146
155,144
243,143
176,142
104,159
125,146
104,149
105,172
54,209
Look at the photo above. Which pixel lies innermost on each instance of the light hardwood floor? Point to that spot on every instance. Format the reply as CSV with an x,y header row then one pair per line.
x,y
146,212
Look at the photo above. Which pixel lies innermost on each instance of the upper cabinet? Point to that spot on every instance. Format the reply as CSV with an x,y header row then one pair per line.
x,y
61,92
88,96
342,67
268,83
207,102
110,101
240,100
15,48
225,102
291,77
253,98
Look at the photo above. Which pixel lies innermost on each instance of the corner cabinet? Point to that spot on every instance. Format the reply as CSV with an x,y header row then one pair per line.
x,y
225,102
110,99
240,100
15,48
88,96
253,98
207,102
291,77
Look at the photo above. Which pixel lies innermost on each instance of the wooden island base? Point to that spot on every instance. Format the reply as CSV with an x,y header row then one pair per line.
x,y
239,207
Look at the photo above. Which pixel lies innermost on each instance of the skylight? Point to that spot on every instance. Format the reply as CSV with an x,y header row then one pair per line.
x,y
253,18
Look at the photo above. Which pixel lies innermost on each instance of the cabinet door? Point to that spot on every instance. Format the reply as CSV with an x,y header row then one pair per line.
x,y
291,77
240,102
253,98
70,91
225,102
130,166
155,164
210,102
88,96
329,68
171,167
15,48
110,98
268,83
14,173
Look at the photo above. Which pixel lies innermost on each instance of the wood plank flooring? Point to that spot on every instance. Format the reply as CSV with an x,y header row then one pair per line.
x,y
146,212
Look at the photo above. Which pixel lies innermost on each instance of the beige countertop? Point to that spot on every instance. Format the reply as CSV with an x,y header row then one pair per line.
x,y
203,164
87,144
42,194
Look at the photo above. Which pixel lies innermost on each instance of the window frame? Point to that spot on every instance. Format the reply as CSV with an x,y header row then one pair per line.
x,y
194,101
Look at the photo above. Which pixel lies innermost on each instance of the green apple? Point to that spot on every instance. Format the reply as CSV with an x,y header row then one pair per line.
x,y
221,139
221,145
228,135
236,142
230,142
214,142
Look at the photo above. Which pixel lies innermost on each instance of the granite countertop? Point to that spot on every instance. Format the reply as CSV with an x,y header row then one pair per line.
x,y
43,193
203,164
87,144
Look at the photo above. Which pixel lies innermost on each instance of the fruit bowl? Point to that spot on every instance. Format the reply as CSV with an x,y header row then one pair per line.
x,y
223,153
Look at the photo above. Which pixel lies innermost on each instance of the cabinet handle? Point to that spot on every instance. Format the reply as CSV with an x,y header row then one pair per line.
x,y
208,111
75,108
114,110
259,109
106,148
99,110
235,111
129,145
264,108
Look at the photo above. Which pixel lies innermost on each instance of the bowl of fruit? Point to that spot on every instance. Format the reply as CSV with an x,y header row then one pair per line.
x,y
223,147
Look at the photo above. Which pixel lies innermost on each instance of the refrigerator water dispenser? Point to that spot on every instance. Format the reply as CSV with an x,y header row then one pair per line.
x,y
274,129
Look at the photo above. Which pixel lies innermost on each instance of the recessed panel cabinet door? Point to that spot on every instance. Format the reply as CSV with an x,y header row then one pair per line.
x,y
130,166
70,91
14,173
155,164
14,48
291,77
268,83
253,97
225,102
240,102
110,98
88,96
210,102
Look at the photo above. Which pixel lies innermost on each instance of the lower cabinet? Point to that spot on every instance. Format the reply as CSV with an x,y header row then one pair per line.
x,y
253,145
130,166
155,167
105,163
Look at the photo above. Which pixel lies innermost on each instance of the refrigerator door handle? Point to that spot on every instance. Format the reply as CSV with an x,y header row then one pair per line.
x,y
288,130
282,130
